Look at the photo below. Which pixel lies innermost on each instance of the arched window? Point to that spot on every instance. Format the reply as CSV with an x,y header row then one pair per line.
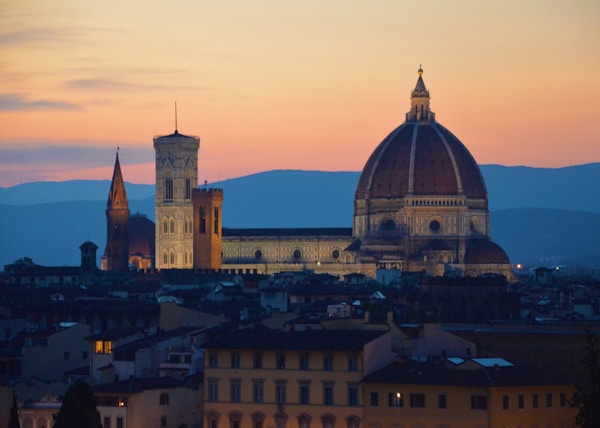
x,y
172,258
212,419
353,422
235,420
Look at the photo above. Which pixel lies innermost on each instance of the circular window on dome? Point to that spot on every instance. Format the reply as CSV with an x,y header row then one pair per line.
x,y
258,254
297,254
335,254
435,226
389,225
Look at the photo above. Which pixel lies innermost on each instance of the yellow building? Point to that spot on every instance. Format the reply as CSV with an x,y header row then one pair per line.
x,y
263,378
485,392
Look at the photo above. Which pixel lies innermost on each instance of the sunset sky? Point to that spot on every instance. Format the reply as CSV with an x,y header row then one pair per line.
x,y
276,84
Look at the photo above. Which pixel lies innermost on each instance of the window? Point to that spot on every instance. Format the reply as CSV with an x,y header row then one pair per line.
x,y
168,188
478,402
164,399
66,355
84,355
216,222
395,399
328,421
257,390
106,422
328,394
213,361
235,420
188,188
535,401
202,220
304,392
258,360
304,359
280,421
442,402
235,391
213,390
280,391
304,421
172,224
352,363
374,399
258,420
521,401
103,347
353,395
165,227
562,399
417,400
280,360
549,399
328,362
163,421
353,422
213,420
235,360
120,423
505,402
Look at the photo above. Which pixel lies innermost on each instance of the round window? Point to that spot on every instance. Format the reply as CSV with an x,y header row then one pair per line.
x,y
435,226
335,254
297,254
258,254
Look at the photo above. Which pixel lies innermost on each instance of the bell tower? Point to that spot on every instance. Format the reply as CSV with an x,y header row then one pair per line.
x,y
207,228
117,223
176,178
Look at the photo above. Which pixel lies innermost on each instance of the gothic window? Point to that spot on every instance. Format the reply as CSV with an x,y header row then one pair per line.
x,y
172,258
165,226
168,189
172,223
188,188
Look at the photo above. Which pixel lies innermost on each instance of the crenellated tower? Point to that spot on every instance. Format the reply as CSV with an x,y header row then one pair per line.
x,y
117,224
207,228
176,178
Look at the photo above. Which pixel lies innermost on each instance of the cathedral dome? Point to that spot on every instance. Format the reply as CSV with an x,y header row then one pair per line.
x,y
420,158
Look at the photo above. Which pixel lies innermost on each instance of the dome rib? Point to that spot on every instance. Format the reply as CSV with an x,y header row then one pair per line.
x,y
452,158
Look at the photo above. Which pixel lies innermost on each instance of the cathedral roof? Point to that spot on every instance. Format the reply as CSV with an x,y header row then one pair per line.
x,y
420,158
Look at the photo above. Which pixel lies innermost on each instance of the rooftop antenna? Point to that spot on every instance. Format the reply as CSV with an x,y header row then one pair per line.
x,y
175,116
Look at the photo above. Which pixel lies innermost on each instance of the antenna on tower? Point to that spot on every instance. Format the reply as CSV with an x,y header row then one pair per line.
x,y
175,116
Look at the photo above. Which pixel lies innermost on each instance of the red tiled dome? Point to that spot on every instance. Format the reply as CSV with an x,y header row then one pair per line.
x,y
420,158
483,251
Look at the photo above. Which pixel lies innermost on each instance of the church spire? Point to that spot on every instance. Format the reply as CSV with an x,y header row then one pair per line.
x,y
419,102
117,198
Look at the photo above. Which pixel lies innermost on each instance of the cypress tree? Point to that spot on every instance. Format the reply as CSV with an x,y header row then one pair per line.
x,y
78,408
14,413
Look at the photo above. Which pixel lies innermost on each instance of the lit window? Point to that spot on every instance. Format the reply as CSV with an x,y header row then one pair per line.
x,y
395,399
103,347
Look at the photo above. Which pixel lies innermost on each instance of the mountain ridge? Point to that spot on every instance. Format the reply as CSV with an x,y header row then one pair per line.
x,y
537,215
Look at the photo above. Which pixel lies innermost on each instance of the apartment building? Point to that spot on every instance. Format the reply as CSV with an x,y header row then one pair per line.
x,y
262,378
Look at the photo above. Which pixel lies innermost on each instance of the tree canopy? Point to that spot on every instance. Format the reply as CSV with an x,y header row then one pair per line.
x,y
78,408
587,394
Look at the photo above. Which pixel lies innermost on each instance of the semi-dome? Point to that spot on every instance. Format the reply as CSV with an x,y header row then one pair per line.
x,y
483,251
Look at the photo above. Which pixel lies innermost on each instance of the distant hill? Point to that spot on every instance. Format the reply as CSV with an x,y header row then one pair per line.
x,y
538,214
